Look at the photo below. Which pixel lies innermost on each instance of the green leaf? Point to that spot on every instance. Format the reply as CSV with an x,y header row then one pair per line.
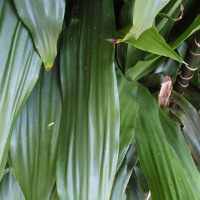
x,y
142,35
20,66
54,195
128,112
143,67
179,145
195,26
149,37
44,20
140,177
34,141
124,173
143,16
133,190
167,172
10,189
89,133
173,11
191,122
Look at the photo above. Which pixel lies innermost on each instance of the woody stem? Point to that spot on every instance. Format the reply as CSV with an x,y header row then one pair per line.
x,y
187,71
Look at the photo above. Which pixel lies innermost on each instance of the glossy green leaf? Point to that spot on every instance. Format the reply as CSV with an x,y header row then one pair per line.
x,y
20,66
54,195
179,145
89,133
191,122
127,55
128,112
133,190
195,26
143,16
44,20
169,29
151,36
173,11
147,65
140,177
124,173
167,172
10,189
34,141
143,67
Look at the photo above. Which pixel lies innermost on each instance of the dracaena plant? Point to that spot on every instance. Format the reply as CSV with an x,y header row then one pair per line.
x,y
99,100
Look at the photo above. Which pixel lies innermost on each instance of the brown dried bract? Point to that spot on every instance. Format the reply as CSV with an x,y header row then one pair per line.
x,y
165,91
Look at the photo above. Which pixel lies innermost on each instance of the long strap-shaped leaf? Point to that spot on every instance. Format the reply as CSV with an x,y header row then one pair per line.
x,y
191,121
19,71
164,154
10,189
44,20
34,141
89,134
124,173
128,113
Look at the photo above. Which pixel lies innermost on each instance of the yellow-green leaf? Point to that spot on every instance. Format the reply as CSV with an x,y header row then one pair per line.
x,y
163,153
44,20
34,142
144,14
10,189
19,71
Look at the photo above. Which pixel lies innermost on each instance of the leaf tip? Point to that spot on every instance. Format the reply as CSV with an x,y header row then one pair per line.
x,y
48,67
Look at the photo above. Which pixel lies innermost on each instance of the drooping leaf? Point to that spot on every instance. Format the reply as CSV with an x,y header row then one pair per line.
x,y
128,112
147,34
34,141
171,67
127,55
124,173
144,14
143,67
167,172
44,20
20,66
191,122
10,189
151,36
174,136
89,133
147,65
